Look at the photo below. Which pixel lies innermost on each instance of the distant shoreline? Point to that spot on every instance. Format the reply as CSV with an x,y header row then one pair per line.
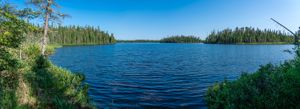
x,y
263,43
72,45
157,41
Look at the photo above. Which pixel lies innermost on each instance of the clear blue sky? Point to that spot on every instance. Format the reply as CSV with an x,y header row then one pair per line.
x,y
155,19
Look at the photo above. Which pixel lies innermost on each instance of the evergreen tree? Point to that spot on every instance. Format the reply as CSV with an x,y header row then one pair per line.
x,y
248,35
48,12
181,39
77,35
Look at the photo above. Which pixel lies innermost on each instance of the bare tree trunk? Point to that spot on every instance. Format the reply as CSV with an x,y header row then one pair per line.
x,y
44,38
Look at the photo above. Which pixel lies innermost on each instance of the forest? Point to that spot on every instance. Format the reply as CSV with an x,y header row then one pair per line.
x,y
78,35
248,35
181,39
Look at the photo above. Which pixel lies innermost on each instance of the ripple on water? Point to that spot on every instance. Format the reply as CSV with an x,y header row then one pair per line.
x,y
153,75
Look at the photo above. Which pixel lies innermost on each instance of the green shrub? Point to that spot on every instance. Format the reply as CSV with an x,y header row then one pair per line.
x,y
271,86
57,87
51,49
8,82
53,87
11,31
31,52
7,62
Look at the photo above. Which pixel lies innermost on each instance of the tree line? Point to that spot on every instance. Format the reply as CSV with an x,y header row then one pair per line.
x,y
181,39
78,35
248,35
138,41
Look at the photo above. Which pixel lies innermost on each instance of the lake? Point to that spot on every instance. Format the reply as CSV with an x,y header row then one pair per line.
x,y
155,75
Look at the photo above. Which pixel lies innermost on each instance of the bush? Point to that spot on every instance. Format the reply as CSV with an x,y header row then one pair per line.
x,y
8,85
11,31
270,87
55,87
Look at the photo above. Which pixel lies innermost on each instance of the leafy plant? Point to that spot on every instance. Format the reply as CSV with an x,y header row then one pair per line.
x,y
270,87
11,35
57,87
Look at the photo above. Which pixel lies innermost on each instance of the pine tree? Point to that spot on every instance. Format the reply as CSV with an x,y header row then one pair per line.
x,y
48,12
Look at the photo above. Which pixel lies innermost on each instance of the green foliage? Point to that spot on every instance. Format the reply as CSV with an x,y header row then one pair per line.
x,y
8,82
181,39
11,31
51,49
55,87
31,51
248,35
8,79
7,61
27,14
76,35
270,87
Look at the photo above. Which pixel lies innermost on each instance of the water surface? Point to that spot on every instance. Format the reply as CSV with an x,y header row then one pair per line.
x,y
154,75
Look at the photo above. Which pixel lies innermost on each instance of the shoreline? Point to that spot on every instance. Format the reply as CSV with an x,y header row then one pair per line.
x,y
56,46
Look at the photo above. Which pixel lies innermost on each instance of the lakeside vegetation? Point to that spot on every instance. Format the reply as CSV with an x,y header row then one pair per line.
x,y
77,35
249,35
27,78
181,39
270,87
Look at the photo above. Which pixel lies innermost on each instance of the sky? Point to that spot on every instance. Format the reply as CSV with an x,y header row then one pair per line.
x,y
156,19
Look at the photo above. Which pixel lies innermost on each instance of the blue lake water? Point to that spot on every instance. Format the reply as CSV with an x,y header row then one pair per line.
x,y
155,75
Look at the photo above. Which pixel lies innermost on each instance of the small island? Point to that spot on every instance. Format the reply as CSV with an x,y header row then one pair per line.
x,y
181,39
137,41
